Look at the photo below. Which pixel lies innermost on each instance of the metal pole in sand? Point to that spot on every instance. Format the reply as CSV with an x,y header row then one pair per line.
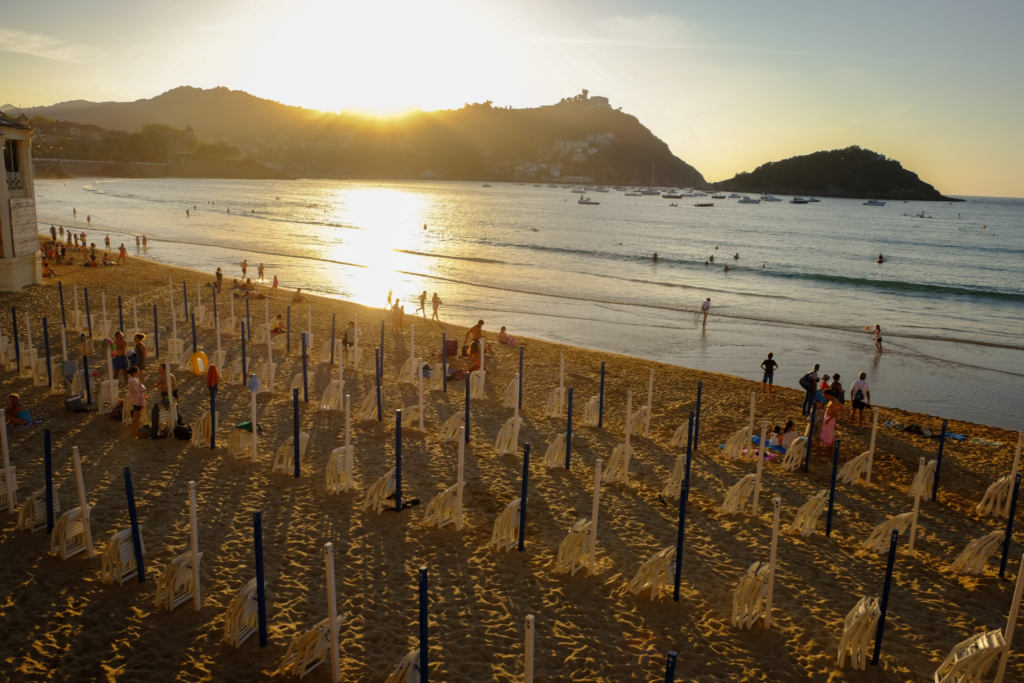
x,y
85,378
376,376
63,317
917,507
600,400
522,498
760,466
305,367
419,366
254,386
670,667
777,504
684,493
197,596
261,589
46,346
14,333
650,405
244,366
48,474
398,460
270,355
295,430
1016,465
466,421
333,316
938,462
424,639
459,482
1009,528
173,352
1011,623
248,318
133,517
871,448
593,515
64,341
83,503
810,435
521,349
444,361
832,489
750,428
332,612
8,474
691,438
381,371
696,422
885,597
568,431
88,313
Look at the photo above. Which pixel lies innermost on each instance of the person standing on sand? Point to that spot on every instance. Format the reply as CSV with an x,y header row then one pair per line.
x,y
809,383
767,382
437,304
120,357
838,393
137,243
389,300
705,307
122,254
832,411
137,398
861,394
220,278
62,232
423,303
106,241
274,287
878,337
245,267
260,272
145,242
53,233
475,332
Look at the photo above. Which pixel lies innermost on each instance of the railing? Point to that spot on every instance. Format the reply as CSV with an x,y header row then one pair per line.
x,y
13,180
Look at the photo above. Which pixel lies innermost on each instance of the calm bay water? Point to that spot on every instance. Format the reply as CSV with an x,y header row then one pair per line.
x,y
949,297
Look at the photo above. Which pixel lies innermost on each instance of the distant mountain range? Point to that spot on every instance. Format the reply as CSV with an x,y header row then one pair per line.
x,y
850,172
581,136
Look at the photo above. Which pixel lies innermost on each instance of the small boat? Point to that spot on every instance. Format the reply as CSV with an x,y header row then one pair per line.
x,y
486,184
672,195
748,200
673,204
602,189
812,200
552,185
770,198
586,200
578,190
704,205
798,200
634,193
874,202
734,196
650,191
718,196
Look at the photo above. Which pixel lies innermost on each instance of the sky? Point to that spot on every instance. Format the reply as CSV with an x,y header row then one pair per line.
x,y
728,85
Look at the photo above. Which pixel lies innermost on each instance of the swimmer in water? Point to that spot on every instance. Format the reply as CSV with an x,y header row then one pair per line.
x,y
737,256
655,257
726,269
712,259
881,259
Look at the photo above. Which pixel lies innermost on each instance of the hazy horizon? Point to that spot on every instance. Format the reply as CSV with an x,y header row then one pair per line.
x,y
729,88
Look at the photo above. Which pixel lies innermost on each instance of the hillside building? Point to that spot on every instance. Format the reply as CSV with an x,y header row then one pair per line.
x,y
20,261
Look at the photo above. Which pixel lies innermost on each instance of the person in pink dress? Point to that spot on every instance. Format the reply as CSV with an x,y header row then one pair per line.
x,y
832,411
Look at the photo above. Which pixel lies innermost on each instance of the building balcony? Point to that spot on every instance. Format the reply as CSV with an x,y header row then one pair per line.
x,y
13,180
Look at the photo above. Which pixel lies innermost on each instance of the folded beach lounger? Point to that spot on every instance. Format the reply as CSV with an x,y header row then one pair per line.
x,y
554,456
309,650
451,426
618,464
407,670
332,398
675,481
410,417
655,575
378,494
68,538
923,481
119,557
879,538
507,442
995,498
974,557
368,409
553,407
284,459
4,503
574,550
748,599
592,412
806,519
735,444
853,470
736,498
795,454
442,508
339,470
202,430
859,633
240,620
174,586
971,659
505,534
32,513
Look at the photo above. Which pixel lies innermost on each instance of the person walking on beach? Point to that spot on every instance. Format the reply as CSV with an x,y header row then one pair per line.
x,y
878,337
389,300
705,307
767,382
106,241
475,332
423,303
274,287
122,254
260,272
838,393
137,398
860,392
437,304
53,233
809,383
137,243
145,242
62,232
245,267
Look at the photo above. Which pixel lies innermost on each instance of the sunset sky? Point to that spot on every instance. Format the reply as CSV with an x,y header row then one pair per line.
x,y
936,85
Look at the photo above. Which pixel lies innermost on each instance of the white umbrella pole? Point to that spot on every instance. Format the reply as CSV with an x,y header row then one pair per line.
x,y
103,298
174,359
515,403
593,515
750,429
1013,471
777,502
917,506
1011,622
458,488
760,465
650,405
871,449
83,503
197,597
64,341
170,399
8,479
528,659
332,612
309,320
419,366
253,419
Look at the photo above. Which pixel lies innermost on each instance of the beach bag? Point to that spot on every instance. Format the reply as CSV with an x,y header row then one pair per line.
x,y
859,396
807,382
118,412
451,347
457,375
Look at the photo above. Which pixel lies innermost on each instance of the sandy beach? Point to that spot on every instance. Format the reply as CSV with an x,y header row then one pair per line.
x,y
61,623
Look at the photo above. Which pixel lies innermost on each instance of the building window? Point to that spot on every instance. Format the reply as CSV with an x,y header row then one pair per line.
x,y
11,156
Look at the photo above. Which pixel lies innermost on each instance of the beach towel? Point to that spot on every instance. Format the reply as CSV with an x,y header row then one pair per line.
x,y
893,424
247,426
986,442
31,425
757,442
753,452
956,437
510,340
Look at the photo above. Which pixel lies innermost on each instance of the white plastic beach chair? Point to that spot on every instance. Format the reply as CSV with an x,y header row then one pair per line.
x,y
507,442
32,513
40,378
880,537
574,550
806,520
736,498
309,650
202,431
553,407
859,633
655,575
240,444
3,486
239,375
377,496
410,417
107,399
442,508
284,459
854,469
278,342
505,535
339,470
68,538
263,372
735,444
409,373
795,454
674,486
511,397
679,436
477,382
119,557
592,412
260,333
618,465
748,599
174,586
974,557
636,425
555,454
241,616
971,659
994,500
332,396
923,481
451,426
407,670
368,409
325,354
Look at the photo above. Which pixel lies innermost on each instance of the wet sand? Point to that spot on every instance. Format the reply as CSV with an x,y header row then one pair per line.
x,y
62,623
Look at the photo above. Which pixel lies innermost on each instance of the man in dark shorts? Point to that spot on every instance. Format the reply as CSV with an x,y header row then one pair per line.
x,y
861,394
768,366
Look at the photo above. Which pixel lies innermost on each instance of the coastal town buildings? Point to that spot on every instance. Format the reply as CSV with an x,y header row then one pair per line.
x,y
20,262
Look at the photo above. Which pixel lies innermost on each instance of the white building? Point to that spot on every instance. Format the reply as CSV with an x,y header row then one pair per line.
x,y
20,259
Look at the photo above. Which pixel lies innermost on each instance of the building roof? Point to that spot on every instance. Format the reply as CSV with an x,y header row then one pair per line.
x,y
9,123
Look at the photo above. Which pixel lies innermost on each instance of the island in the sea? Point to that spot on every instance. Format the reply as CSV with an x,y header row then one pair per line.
x,y
850,172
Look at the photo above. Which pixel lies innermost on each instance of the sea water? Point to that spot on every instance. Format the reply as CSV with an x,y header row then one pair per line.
x,y
806,285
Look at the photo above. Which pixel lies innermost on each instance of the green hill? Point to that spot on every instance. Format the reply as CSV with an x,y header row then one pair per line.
x,y
850,172
579,136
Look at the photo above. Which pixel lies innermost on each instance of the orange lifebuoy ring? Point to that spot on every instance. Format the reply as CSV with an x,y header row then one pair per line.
x,y
200,363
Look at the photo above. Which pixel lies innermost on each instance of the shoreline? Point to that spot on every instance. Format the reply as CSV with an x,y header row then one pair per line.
x,y
588,628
